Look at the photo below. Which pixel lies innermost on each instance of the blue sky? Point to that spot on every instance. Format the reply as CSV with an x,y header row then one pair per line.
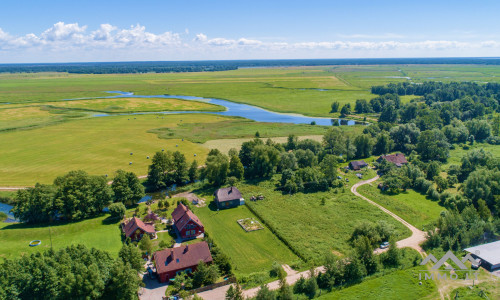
x,y
58,31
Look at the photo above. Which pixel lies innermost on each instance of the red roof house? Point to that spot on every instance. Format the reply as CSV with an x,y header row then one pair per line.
x,y
135,229
186,223
172,261
398,159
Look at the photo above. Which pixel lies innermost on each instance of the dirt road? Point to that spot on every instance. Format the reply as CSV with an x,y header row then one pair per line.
x,y
417,237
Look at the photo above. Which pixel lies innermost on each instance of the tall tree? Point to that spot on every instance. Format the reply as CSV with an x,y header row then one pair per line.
x,y
236,168
162,164
131,255
193,171
127,188
217,167
364,145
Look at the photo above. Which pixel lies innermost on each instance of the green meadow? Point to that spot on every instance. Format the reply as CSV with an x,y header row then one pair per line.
x,y
401,284
98,233
413,207
310,227
249,252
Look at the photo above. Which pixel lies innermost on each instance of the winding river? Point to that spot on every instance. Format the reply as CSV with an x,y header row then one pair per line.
x,y
232,109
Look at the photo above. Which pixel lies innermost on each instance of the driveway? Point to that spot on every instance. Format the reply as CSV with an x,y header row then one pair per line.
x,y
417,237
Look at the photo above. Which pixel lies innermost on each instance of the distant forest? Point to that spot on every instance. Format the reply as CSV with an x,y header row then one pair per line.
x,y
221,65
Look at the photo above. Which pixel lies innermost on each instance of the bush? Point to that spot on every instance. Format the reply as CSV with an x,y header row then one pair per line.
x,y
117,210
493,140
3,216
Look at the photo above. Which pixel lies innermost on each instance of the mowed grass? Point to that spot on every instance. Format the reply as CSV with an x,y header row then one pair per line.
x,y
311,228
98,145
241,128
402,284
413,207
249,252
121,105
97,233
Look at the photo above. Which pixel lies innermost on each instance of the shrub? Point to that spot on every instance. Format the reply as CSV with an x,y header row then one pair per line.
x,y
3,216
117,210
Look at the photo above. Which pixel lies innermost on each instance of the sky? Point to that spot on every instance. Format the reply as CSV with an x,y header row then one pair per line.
x,y
151,30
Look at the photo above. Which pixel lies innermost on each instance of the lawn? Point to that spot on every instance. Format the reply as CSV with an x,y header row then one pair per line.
x,y
97,232
249,252
311,228
402,284
413,207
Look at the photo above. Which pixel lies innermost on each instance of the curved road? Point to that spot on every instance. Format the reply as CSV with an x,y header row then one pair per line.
x,y
417,237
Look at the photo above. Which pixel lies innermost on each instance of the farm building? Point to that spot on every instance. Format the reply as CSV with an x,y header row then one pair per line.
x,y
228,197
135,229
171,261
488,253
357,165
398,159
186,223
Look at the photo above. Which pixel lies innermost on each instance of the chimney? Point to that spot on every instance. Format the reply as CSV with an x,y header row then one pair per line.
x,y
186,249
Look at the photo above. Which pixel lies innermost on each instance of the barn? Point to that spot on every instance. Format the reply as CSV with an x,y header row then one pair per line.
x,y
488,253
228,197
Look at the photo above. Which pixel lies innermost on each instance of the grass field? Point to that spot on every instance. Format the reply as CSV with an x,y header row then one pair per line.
x,y
311,228
457,154
402,284
122,105
239,128
410,205
97,232
249,252
103,145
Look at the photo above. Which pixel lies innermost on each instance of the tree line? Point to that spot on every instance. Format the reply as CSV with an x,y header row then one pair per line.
x,y
74,272
76,196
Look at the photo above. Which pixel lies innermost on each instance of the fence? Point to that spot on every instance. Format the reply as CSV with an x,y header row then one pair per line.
x,y
208,287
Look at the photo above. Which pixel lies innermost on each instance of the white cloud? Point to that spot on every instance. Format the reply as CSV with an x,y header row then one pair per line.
x,y
72,42
61,31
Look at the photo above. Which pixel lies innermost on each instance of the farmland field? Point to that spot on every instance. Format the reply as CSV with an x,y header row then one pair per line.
x,y
249,252
311,228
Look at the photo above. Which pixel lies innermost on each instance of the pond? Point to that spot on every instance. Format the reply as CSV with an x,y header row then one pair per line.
x,y
233,109
5,208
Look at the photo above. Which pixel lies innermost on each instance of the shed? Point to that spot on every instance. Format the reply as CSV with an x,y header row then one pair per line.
x,y
356,165
228,197
488,253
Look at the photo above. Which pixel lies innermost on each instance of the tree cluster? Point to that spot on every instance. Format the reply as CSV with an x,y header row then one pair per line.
x,y
75,272
75,196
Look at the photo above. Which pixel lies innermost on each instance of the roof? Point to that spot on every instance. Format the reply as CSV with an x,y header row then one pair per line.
x,y
489,252
151,216
182,215
398,159
135,223
358,164
173,259
228,194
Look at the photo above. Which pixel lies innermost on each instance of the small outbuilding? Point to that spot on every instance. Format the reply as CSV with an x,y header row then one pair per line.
x,y
135,229
228,197
357,165
488,253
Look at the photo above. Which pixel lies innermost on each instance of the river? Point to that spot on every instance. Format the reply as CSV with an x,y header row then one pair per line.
x,y
232,109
